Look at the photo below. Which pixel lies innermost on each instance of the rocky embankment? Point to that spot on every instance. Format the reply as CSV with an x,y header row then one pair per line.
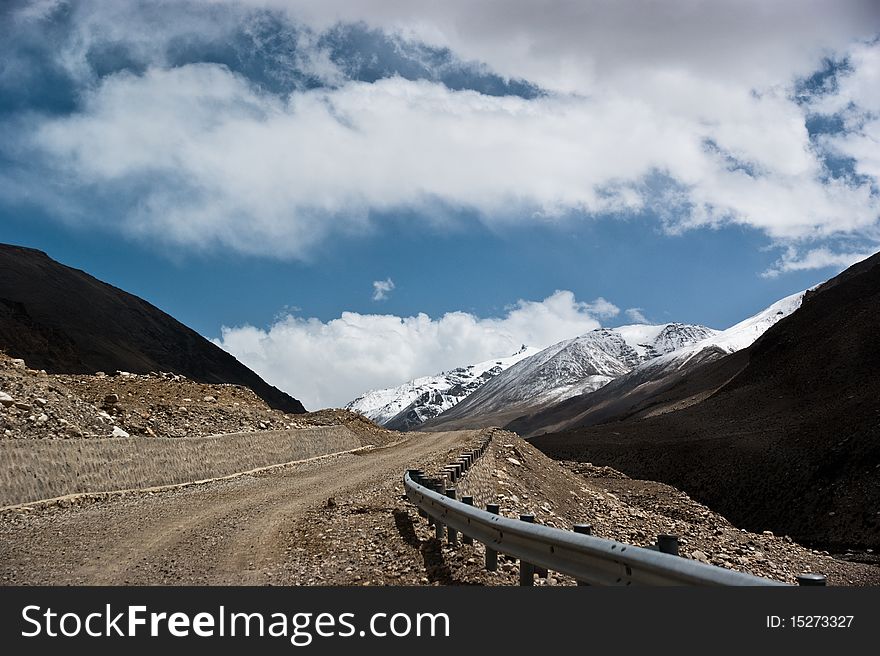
x,y
38,405
375,537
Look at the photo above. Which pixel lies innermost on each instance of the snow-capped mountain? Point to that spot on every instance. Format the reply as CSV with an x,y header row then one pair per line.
x,y
572,367
423,398
646,389
735,338
498,391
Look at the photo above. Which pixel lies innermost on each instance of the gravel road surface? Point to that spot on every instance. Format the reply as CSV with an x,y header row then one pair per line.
x,y
234,532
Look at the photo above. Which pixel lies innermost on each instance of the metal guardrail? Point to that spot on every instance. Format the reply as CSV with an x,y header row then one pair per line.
x,y
589,559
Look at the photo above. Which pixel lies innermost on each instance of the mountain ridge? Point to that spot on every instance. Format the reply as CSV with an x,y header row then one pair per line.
x,y
64,320
656,385
410,404
565,369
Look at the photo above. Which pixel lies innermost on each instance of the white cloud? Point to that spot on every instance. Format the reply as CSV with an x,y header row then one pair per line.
x,y
211,161
601,308
382,288
326,364
575,45
857,100
636,315
36,10
817,258
857,88
564,45
199,158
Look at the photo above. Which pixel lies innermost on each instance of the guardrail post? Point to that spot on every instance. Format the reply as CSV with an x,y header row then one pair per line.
x,y
451,533
526,570
418,476
431,484
438,525
583,529
491,554
468,501
667,543
811,579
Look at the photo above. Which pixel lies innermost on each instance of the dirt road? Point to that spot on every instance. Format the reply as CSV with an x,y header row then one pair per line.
x,y
240,531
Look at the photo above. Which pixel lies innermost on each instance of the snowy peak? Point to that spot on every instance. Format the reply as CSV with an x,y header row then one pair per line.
x,y
576,366
744,334
659,384
679,335
735,338
602,352
589,361
424,398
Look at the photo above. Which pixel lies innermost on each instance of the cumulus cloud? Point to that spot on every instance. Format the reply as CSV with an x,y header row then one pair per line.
x,y
382,289
816,258
636,315
326,364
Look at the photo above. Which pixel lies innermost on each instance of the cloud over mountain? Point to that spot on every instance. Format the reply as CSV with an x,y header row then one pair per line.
x,y
330,363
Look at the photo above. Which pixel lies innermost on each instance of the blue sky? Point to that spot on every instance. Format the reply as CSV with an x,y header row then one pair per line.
x,y
253,168
709,276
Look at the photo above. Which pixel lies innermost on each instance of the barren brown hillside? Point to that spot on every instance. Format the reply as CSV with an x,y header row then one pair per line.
x,y
791,443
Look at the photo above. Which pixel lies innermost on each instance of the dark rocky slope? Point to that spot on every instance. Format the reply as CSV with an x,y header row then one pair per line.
x,y
791,442
65,321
